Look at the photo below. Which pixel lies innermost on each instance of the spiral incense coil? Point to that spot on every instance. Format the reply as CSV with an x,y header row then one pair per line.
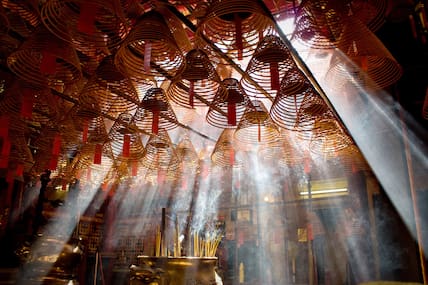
x,y
109,90
186,153
228,105
43,60
328,137
159,152
26,10
352,159
370,12
256,126
286,109
149,52
90,25
268,65
319,24
370,64
235,26
197,83
155,112
225,152
311,109
125,140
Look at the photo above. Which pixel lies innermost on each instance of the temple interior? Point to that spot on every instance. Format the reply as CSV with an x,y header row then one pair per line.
x,y
211,142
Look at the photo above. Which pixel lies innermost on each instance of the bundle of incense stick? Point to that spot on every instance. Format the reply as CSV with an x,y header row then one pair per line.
x,y
205,247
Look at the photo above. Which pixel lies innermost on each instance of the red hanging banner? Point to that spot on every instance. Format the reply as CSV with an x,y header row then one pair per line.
x,y
4,126
238,36
155,122
98,153
126,145
191,93
85,131
56,147
147,56
274,76
86,22
48,63
231,113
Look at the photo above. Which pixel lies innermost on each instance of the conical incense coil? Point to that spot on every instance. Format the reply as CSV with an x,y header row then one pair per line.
x,y
235,26
43,60
256,126
370,64
370,12
125,139
228,105
27,10
285,110
311,109
319,24
155,112
149,51
328,137
197,83
93,26
160,153
268,65
109,90
226,151
352,159
187,154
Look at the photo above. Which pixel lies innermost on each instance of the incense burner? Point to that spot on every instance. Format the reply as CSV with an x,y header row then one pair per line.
x,y
164,270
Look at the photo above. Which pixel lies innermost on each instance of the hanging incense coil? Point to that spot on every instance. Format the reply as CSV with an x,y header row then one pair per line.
x,y
155,112
286,109
370,64
187,154
26,10
149,52
328,137
319,24
353,160
235,26
92,26
43,60
197,83
160,153
268,65
228,105
370,12
256,126
226,151
109,90
124,138
311,109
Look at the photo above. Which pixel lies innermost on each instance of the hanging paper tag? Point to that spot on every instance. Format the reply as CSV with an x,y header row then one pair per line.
x,y
53,163
134,168
274,76
4,126
238,36
98,153
126,145
86,22
48,63
155,122
56,148
147,56
364,63
161,176
191,93
232,157
231,113
85,131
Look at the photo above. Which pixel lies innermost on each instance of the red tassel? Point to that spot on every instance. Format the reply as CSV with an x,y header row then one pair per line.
x,y
364,63
53,163
48,63
191,93
19,170
274,76
4,126
232,157
161,176
310,232
155,122
98,153
5,150
238,36
64,187
126,145
56,148
86,22
27,102
231,113
147,56
88,174
307,166
134,168
85,131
